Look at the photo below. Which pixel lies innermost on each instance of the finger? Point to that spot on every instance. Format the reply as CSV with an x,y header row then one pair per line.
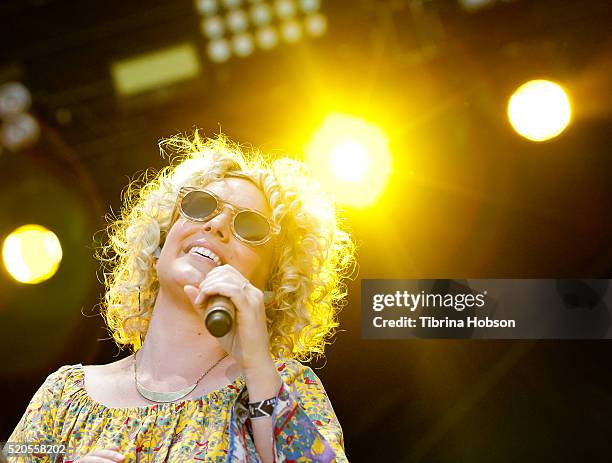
x,y
96,459
92,459
221,288
238,285
224,276
192,292
222,269
113,455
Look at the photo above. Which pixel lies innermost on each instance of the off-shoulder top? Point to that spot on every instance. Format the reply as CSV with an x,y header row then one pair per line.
x,y
212,428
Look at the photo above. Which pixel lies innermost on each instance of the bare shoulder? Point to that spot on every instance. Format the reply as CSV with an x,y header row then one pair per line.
x,y
112,384
108,371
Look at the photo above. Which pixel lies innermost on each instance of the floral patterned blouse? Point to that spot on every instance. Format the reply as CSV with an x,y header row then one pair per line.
x,y
213,428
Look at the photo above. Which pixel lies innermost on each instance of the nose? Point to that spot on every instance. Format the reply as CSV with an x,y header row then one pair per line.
x,y
219,225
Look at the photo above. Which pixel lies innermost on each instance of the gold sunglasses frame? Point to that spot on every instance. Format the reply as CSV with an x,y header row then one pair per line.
x,y
221,205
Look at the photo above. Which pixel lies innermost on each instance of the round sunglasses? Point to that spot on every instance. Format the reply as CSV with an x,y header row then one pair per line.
x,y
247,225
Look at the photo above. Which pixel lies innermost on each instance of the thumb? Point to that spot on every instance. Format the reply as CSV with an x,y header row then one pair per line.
x,y
192,293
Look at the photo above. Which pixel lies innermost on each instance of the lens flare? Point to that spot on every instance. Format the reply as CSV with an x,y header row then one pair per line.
x,y
351,159
31,254
539,110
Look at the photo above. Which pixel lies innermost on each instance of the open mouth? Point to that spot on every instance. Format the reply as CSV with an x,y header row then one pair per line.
x,y
206,254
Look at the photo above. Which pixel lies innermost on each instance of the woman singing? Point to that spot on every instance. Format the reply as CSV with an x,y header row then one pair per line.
x,y
217,222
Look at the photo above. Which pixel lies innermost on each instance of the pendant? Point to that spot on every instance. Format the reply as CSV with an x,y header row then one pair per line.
x,y
163,397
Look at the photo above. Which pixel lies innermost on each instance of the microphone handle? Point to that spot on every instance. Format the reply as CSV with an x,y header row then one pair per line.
x,y
219,315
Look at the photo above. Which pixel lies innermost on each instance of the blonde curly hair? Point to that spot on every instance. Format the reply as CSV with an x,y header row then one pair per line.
x,y
314,253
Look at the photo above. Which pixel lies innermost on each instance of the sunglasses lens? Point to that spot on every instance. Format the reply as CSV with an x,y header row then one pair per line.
x,y
251,226
198,204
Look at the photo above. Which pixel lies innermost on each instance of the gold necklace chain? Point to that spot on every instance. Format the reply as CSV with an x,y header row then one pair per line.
x,y
166,397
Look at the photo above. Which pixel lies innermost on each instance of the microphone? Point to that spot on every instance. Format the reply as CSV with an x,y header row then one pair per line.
x,y
219,315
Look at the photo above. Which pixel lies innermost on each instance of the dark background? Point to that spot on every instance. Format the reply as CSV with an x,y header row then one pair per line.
x,y
468,198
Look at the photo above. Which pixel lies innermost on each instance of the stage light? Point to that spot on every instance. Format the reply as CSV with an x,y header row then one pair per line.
x,y
266,21
19,132
267,38
66,201
31,254
229,4
212,27
261,14
285,9
206,7
15,99
19,129
155,69
315,25
310,6
219,50
237,20
539,110
472,5
291,31
351,159
243,44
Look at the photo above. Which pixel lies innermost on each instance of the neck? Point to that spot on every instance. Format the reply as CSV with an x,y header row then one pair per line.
x,y
177,348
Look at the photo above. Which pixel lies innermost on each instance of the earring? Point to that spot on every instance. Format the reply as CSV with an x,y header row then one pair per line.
x,y
157,252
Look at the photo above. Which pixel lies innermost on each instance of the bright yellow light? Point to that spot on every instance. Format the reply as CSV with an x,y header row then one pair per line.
x,y
351,159
539,110
31,254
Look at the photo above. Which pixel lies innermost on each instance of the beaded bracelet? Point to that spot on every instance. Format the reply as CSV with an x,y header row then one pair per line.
x,y
263,408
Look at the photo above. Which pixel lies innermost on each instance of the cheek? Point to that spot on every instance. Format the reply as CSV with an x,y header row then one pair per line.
x,y
242,260
255,266
178,232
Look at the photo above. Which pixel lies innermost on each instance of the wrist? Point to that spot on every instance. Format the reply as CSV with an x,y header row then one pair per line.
x,y
262,408
262,382
258,365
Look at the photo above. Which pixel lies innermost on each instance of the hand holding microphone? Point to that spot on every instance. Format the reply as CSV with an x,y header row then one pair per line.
x,y
220,312
233,310
219,315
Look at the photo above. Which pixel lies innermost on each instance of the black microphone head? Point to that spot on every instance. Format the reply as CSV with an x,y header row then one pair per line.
x,y
219,323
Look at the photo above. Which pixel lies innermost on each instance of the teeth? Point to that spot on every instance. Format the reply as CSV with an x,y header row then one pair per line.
x,y
207,253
